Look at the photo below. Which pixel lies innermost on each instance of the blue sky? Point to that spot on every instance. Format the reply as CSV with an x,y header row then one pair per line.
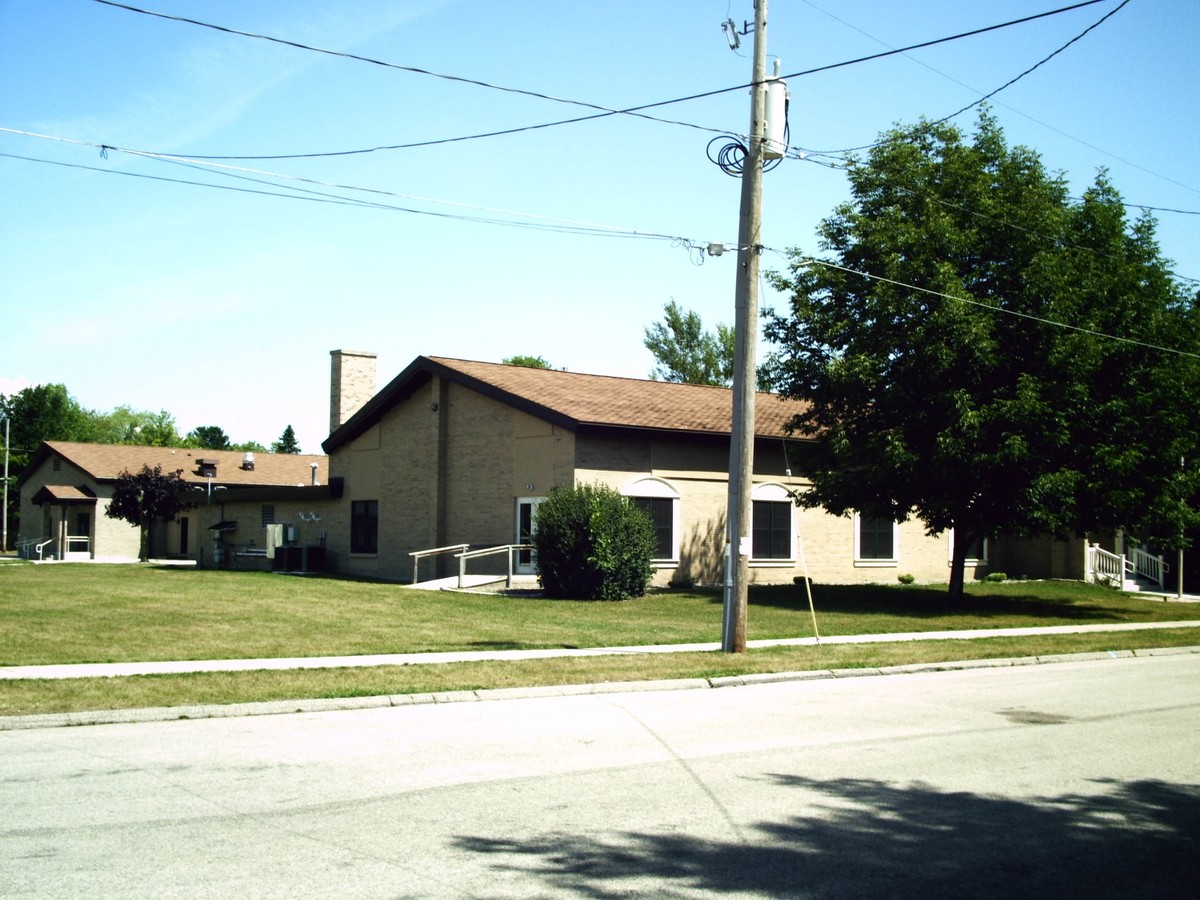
x,y
221,306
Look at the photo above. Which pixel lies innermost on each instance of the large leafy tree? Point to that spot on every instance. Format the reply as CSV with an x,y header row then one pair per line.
x,y
146,498
125,425
976,349
685,352
44,412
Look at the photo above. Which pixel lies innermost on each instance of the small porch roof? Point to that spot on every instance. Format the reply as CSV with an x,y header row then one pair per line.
x,y
63,494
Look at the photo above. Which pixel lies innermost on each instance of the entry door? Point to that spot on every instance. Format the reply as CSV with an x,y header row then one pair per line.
x,y
526,517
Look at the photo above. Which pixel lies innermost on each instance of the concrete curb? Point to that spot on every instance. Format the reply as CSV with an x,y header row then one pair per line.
x,y
285,707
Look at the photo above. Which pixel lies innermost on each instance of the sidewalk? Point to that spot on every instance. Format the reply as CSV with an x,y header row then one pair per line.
x,y
179,667
288,707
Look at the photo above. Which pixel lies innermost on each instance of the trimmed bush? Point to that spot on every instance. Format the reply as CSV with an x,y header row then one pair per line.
x,y
593,544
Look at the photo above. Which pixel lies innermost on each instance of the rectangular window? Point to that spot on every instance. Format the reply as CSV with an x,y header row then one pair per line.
x,y
977,552
662,513
364,526
772,535
978,549
876,539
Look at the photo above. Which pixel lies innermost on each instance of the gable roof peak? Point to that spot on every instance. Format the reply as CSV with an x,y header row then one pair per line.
x,y
574,399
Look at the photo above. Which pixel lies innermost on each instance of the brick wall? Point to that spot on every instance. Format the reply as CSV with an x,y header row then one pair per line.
x,y
351,384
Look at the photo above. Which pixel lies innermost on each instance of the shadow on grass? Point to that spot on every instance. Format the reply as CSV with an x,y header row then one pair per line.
x,y
515,645
923,602
864,838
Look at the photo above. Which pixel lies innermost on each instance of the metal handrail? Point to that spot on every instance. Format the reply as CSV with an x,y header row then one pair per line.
x,y
419,555
26,547
489,551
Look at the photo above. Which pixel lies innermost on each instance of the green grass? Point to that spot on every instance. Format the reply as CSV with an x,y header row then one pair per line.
x,y
87,613
76,695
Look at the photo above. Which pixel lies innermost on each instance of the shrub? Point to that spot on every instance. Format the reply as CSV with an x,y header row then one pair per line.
x,y
906,578
995,577
593,544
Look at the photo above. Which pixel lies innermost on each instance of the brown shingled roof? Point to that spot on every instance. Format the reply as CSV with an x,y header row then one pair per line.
x,y
63,493
572,399
106,462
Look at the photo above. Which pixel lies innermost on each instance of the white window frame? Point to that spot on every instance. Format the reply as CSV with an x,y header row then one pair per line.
x,y
656,488
860,563
773,492
971,561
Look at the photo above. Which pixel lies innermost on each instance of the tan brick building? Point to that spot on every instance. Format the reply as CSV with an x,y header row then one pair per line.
x,y
460,452
67,486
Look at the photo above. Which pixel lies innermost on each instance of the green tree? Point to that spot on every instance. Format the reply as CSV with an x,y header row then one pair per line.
x,y
529,362
125,425
146,498
248,447
592,543
940,385
208,437
684,352
44,412
287,442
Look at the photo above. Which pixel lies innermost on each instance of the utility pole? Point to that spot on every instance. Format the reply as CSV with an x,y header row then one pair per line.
x,y
4,514
741,444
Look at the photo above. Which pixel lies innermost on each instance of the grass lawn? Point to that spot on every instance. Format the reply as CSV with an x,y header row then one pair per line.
x,y
91,613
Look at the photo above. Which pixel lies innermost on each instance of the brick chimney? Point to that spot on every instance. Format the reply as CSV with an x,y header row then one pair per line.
x,y
351,384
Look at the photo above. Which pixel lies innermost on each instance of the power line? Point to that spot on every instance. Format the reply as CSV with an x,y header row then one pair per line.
x,y
562,226
1004,222
993,93
603,111
565,225
808,260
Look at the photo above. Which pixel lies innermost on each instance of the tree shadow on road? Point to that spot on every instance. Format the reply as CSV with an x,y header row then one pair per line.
x,y
864,838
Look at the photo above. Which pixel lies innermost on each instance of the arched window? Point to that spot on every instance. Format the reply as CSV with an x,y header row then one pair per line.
x,y
661,501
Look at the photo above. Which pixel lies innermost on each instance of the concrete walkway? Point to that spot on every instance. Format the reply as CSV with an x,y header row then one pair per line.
x,y
177,667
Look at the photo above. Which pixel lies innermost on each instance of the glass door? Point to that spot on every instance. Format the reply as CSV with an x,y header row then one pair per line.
x,y
526,525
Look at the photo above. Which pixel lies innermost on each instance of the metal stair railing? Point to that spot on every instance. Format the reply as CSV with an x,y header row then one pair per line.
x,y
419,555
489,551
28,547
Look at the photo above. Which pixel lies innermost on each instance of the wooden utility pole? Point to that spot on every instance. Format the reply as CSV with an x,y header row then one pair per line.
x,y
741,444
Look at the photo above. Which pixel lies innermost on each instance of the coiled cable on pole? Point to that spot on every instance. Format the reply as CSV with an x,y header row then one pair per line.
x,y
731,155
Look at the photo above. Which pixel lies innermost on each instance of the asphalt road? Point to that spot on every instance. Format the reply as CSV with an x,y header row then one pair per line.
x,y
1076,779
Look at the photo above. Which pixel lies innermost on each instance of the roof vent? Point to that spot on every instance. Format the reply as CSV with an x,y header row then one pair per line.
x,y
208,467
248,461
